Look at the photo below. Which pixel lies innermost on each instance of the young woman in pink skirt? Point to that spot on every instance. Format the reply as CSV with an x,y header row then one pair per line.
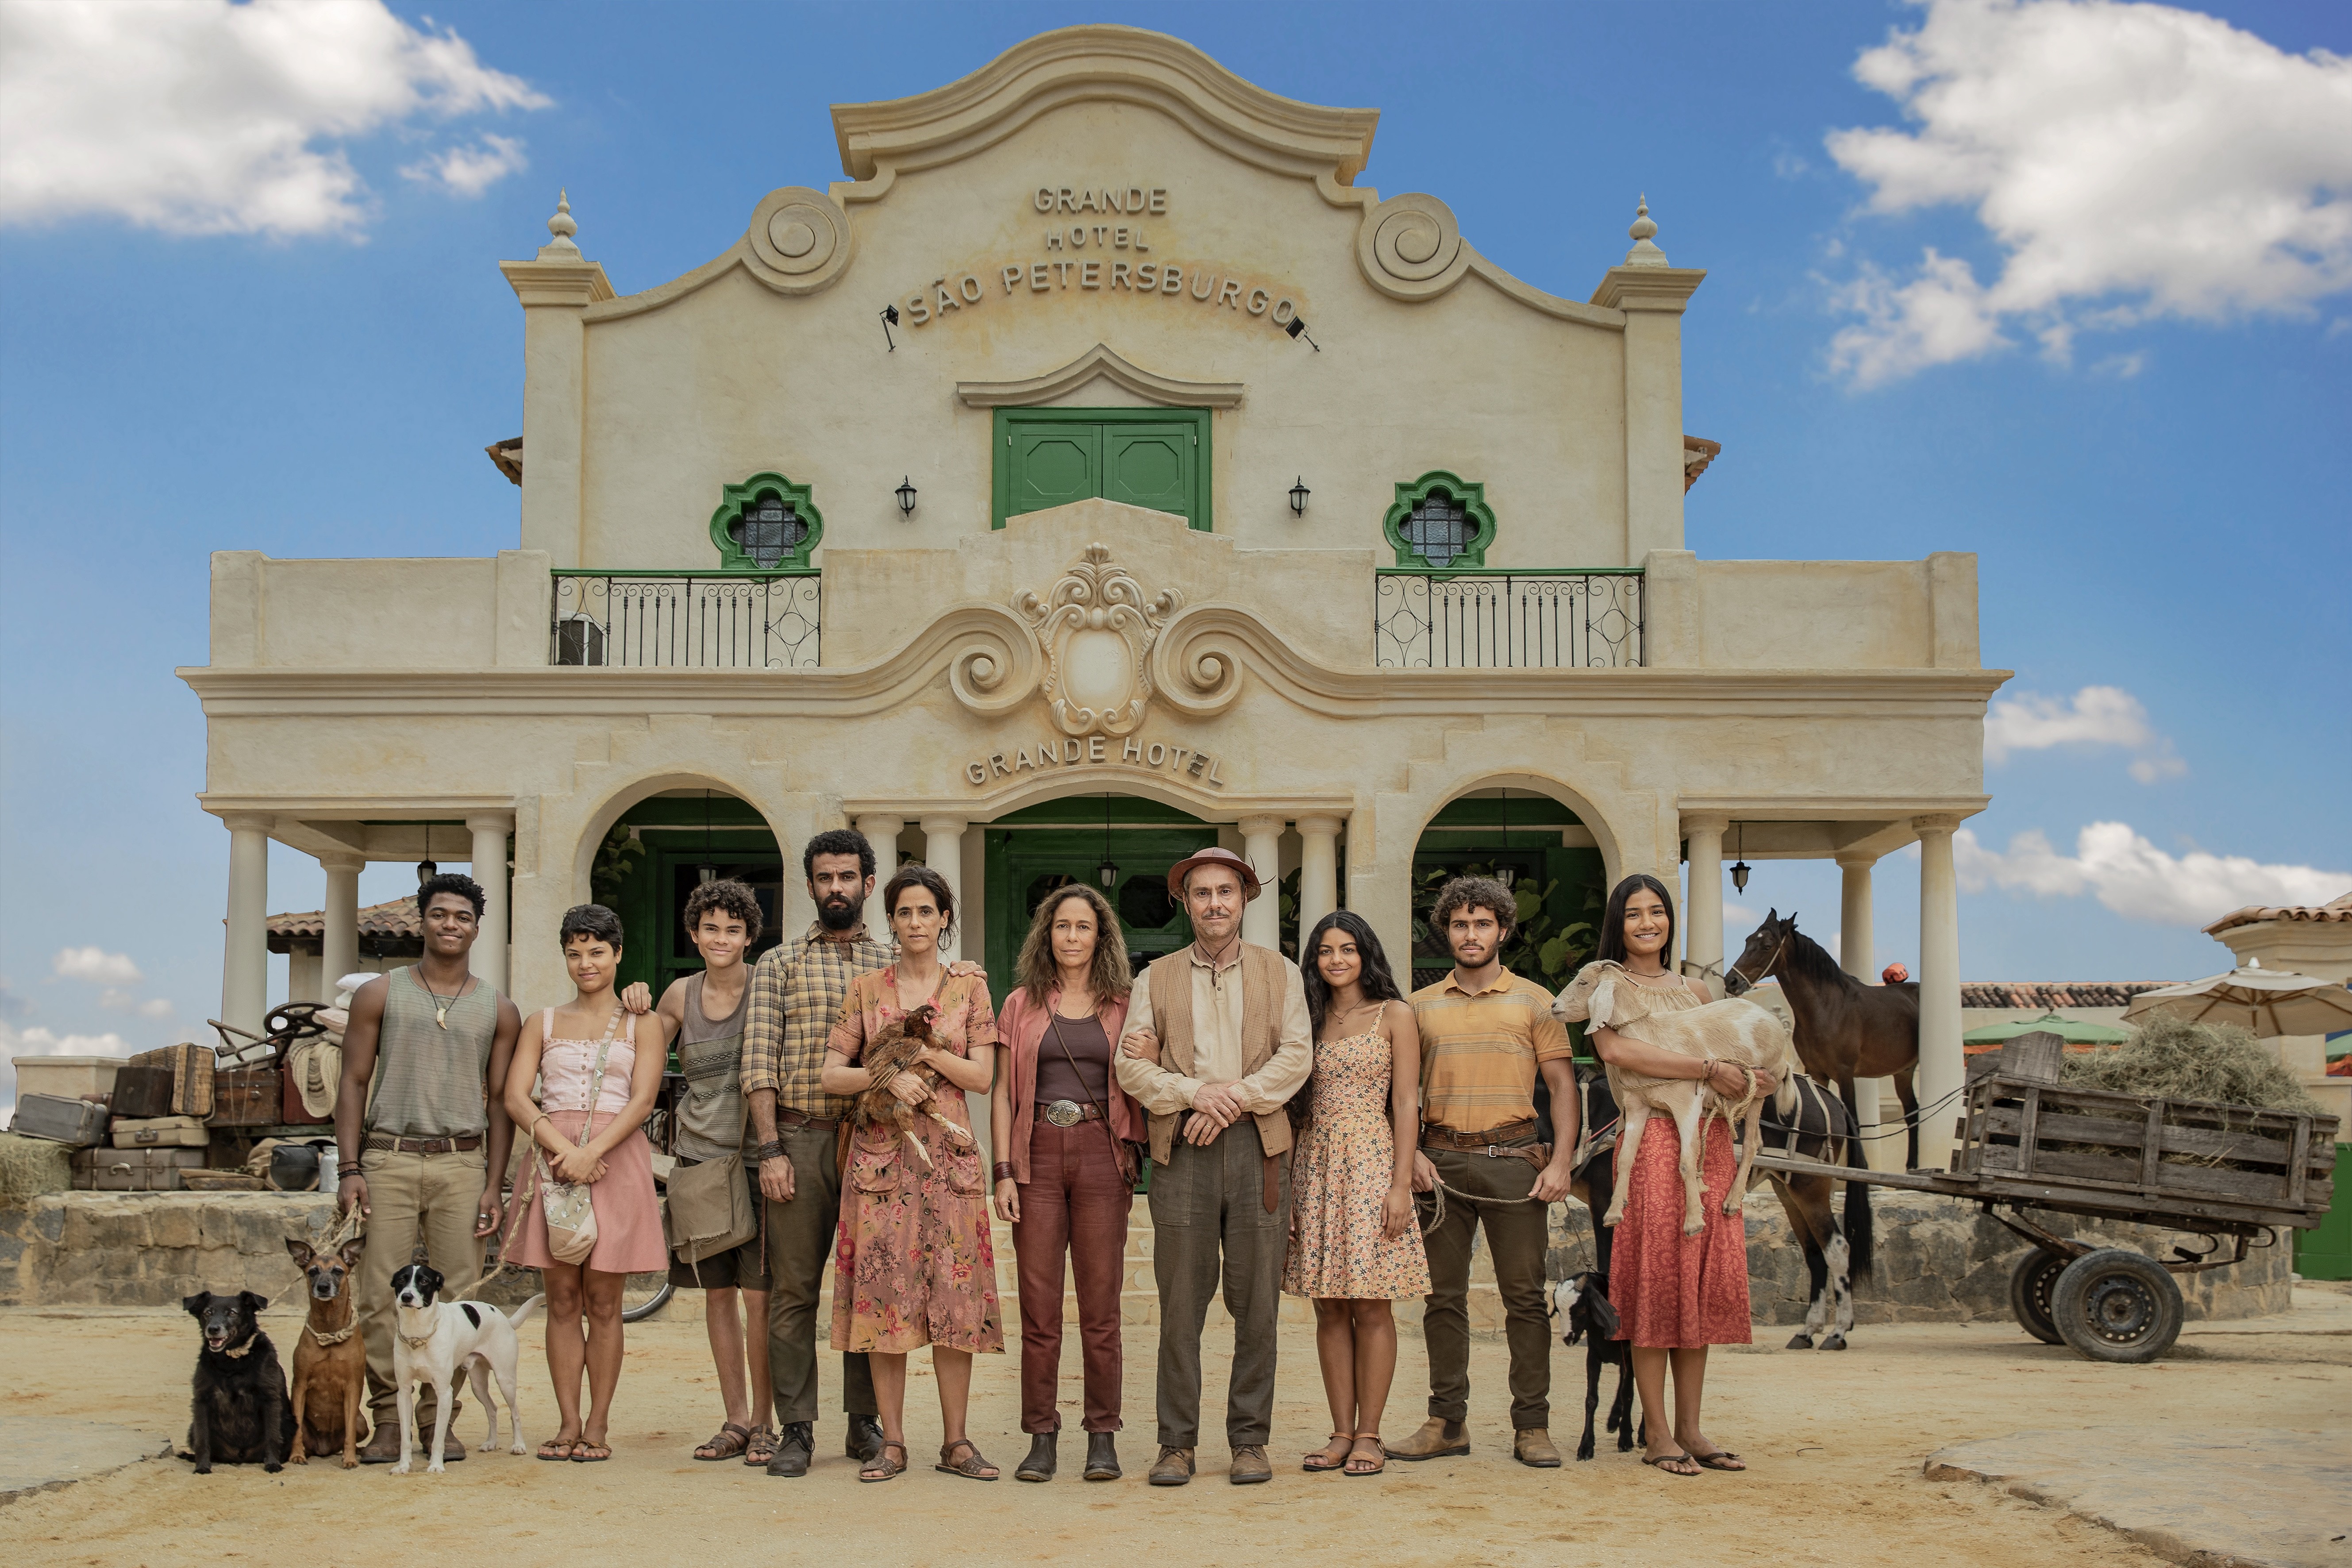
x,y
590,1133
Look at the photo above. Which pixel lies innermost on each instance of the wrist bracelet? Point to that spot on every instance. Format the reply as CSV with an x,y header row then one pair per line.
x,y
1003,1172
773,1149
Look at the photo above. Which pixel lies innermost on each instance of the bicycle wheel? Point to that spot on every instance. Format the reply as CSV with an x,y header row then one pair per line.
x,y
643,1294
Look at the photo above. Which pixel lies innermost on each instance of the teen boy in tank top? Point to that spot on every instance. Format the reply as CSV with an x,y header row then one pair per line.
x,y
705,1016
422,1131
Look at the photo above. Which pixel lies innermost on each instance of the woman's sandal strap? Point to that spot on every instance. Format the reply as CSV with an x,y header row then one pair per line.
x,y
1663,1460
971,1468
1320,1458
729,1441
880,1469
1715,1461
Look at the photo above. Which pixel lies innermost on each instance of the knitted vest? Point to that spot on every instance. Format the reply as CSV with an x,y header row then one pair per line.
x,y
1170,980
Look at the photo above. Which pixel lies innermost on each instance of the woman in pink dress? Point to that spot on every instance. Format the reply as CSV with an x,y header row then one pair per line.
x,y
1675,1294
593,1132
914,1265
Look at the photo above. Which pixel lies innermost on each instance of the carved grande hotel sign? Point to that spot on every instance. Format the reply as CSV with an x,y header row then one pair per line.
x,y
1100,240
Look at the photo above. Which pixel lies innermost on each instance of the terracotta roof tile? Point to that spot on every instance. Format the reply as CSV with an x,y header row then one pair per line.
x,y
2255,914
386,931
2047,996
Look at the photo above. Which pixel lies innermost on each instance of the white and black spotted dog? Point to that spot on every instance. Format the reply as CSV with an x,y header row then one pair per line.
x,y
436,1342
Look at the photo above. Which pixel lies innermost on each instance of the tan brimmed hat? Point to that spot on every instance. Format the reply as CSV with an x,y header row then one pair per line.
x,y
1214,857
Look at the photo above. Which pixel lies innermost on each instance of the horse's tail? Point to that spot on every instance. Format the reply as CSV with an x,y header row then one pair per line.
x,y
1858,1227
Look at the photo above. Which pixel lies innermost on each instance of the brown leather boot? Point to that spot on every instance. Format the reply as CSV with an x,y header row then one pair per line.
x,y
384,1443
1250,1466
1172,1468
1531,1446
1437,1439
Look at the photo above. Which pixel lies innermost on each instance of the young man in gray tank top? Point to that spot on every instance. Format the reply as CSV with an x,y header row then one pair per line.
x,y
705,1016
420,1131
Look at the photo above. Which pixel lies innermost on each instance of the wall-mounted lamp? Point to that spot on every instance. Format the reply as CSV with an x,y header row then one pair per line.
x,y
1297,328
889,320
906,494
1740,864
1299,493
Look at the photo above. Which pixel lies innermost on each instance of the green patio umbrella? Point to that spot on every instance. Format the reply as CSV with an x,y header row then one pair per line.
x,y
2074,1031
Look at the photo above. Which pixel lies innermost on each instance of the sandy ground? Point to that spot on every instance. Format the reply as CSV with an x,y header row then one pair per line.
x,y
1835,1442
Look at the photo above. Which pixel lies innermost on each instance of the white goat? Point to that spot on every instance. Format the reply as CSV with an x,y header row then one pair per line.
x,y
1734,1031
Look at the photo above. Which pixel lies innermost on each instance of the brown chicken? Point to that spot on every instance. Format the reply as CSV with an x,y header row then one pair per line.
x,y
892,1050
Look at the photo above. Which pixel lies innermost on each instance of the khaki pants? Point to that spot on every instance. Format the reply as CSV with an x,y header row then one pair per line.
x,y
1516,1235
800,1249
414,1198
1209,1217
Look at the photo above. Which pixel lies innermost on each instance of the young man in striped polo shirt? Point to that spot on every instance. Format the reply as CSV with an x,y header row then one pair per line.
x,y
1486,1035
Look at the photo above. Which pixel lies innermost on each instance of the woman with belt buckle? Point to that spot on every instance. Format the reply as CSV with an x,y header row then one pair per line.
x,y
1062,1130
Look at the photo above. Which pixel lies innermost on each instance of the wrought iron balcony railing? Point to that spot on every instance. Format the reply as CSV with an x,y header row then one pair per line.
x,y
643,620
1510,619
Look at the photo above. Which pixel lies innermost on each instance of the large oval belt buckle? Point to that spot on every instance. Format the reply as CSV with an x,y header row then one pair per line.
x,y
1063,1113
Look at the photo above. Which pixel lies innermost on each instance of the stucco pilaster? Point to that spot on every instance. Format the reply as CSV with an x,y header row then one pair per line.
x,y
1653,294
553,290
523,609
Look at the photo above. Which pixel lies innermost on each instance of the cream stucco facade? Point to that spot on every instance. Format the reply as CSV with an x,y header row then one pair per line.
x,y
1215,657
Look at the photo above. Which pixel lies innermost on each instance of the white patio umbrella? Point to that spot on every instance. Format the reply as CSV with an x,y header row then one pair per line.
x,y
2266,1001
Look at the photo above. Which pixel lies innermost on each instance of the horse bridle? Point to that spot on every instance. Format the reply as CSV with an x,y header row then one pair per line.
x,y
1761,973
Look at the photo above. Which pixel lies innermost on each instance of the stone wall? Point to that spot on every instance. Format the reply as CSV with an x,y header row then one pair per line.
x,y
1941,1261
150,1249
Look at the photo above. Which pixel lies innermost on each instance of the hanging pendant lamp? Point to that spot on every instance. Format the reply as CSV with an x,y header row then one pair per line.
x,y
426,870
1106,872
1740,865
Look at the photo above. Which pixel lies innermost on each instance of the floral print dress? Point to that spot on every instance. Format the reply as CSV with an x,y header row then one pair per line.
x,y
1340,1181
913,1264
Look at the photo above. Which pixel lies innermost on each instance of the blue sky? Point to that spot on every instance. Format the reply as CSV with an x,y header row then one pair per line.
x,y
2124,379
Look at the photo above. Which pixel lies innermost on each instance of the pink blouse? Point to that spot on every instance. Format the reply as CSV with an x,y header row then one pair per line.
x,y
564,1067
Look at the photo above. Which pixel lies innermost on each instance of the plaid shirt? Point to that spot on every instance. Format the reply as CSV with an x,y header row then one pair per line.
x,y
798,990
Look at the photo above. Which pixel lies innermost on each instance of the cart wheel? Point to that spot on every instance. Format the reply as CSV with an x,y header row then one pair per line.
x,y
2116,1306
2029,1284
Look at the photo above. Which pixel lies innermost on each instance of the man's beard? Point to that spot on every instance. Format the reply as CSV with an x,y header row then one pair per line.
x,y
839,913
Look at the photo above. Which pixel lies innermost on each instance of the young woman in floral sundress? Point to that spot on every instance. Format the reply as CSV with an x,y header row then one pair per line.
x,y
1354,1246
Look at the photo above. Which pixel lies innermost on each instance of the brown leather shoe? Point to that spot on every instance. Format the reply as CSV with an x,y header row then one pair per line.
x,y
1172,1468
1437,1439
384,1443
1250,1467
1531,1446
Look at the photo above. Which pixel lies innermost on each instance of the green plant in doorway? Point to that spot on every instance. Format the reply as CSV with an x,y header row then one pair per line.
x,y
615,859
1541,948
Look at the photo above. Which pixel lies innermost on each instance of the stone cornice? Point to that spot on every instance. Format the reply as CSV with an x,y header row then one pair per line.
x,y
576,284
1648,287
1099,361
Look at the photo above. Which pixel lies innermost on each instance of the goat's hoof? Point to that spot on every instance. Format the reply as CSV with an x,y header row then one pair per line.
x,y
1835,1343
1800,1342
1693,1226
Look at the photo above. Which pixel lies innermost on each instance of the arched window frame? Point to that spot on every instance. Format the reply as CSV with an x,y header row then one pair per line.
x,y
1471,496
739,499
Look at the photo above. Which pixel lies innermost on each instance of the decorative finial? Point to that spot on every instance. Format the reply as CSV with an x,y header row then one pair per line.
x,y
563,227
1644,253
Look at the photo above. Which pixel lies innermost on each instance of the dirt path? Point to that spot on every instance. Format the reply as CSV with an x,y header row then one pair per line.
x,y
1835,1440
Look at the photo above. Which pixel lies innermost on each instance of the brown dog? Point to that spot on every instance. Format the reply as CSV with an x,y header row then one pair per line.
x,y
330,1359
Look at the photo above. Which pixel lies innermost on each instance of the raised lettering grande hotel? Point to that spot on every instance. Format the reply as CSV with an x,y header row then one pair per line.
x,y
1096,470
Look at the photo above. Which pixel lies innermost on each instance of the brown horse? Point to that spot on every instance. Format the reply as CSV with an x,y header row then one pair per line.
x,y
1845,1030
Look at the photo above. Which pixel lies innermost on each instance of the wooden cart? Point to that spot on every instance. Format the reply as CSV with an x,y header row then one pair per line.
x,y
2027,1143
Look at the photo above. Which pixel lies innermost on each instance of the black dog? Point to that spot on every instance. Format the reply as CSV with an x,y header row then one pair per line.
x,y
241,1415
1584,1300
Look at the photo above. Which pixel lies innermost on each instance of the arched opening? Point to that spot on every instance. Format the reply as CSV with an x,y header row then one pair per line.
x,y
1537,846
653,855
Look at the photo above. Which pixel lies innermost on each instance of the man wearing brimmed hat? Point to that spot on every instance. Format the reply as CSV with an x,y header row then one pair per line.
x,y
1217,1038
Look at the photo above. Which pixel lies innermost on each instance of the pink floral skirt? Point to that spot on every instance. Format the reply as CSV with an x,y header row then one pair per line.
x,y
629,1214
1673,1290
913,1263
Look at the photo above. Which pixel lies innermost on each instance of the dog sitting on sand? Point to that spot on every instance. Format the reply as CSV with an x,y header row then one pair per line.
x,y
240,1415
329,1358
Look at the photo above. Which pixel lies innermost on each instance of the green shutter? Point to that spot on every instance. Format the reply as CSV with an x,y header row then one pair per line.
x,y
1155,458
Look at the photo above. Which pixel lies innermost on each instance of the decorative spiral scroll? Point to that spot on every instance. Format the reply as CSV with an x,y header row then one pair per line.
x,y
1196,665
799,240
996,665
1410,247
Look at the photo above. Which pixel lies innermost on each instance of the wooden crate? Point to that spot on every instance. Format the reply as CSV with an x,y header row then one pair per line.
x,y
2156,1150
247,1097
134,1170
192,1078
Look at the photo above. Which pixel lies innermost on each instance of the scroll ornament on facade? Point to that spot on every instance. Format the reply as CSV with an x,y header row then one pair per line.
x,y
1096,628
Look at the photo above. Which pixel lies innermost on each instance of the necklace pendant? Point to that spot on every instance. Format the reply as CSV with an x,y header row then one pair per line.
x,y
441,1016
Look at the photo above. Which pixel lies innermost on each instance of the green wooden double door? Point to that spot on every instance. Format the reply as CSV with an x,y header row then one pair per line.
x,y
1155,458
1025,865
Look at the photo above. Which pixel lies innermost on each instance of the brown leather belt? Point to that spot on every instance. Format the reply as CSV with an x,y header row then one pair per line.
x,y
384,1144
787,1117
1070,1112
1511,1140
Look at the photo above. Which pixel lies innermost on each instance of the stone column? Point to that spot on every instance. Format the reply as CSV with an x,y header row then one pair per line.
x,y
1702,911
491,955
882,832
943,853
1942,1066
1318,871
554,288
1854,947
1653,294
1262,848
244,961
340,946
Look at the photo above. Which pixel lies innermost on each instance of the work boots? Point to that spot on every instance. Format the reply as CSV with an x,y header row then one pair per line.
x,y
1437,1439
1172,1468
1040,1464
1531,1446
1102,1457
795,1446
864,1443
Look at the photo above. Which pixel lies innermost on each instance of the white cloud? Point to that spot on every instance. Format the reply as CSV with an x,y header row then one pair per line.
x,y
2094,716
96,965
2129,161
154,1007
2137,880
207,117
470,170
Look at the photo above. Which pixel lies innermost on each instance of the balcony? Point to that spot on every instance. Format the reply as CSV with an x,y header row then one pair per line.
x,y
667,620
1507,619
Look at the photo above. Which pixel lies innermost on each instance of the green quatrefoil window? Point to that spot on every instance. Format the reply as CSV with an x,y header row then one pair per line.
x,y
1440,520
767,523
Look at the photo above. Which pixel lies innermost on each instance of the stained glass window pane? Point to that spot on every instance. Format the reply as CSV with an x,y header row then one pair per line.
x,y
1438,529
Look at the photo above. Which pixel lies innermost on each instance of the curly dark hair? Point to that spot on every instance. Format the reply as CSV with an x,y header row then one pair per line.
x,y
591,922
837,841
1037,970
1474,893
1612,924
727,897
912,875
456,882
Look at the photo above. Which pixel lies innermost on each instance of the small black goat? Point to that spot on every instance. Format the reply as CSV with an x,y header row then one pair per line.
x,y
1583,1301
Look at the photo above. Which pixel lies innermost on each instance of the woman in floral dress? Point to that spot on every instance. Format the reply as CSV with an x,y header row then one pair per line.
x,y
913,1266
1354,1248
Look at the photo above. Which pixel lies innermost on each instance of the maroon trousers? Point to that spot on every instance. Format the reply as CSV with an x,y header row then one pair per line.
x,y
1073,1203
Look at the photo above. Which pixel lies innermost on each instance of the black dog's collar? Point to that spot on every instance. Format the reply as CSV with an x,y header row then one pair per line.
x,y
245,1349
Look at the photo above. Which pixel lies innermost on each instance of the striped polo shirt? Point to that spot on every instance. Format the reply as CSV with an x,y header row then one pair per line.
x,y
1478,1054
